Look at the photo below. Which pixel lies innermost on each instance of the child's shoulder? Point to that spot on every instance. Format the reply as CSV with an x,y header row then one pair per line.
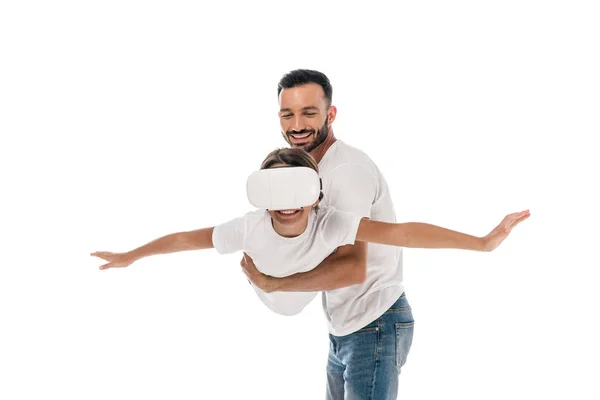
x,y
256,216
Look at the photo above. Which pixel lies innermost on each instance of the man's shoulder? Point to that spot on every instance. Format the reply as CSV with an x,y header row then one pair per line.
x,y
345,155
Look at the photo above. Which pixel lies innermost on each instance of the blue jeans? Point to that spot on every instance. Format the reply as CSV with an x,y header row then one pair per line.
x,y
365,365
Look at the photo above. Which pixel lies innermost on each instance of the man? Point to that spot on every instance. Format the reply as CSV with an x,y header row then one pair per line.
x,y
369,318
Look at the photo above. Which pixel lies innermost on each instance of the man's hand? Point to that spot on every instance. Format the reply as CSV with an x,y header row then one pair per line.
x,y
264,282
115,260
497,236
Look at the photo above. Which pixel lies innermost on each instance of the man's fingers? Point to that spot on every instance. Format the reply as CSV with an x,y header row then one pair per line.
x,y
247,273
246,261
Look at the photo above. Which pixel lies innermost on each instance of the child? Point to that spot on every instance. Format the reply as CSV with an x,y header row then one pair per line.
x,y
286,242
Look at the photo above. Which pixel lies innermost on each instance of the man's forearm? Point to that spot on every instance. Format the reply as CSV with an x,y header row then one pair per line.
x,y
336,271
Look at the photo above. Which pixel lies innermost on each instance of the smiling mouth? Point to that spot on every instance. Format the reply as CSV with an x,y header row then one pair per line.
x,y
287,213
300,136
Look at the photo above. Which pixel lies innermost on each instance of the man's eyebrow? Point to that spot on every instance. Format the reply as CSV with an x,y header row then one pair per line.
x,y
311,108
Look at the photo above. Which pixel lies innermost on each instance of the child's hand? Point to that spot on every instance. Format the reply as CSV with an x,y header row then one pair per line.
x,y
497,236
115,260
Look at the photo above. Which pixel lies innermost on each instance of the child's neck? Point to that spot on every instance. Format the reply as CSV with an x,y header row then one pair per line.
x,y
289,231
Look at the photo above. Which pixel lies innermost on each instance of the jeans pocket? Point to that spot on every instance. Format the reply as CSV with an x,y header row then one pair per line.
x,y
368,329
404,336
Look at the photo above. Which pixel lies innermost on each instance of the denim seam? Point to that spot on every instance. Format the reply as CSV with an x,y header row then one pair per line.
x,y
393,310
377,351
398,326
369,329
378,344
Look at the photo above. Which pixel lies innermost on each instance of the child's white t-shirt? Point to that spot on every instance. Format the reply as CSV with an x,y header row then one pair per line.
x,y
280,256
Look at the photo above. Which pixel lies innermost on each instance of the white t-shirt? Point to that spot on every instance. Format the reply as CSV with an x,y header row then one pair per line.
x,y
279,256
353,183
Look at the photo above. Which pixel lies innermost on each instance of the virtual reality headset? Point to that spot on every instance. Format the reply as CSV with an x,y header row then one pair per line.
x,y
284,188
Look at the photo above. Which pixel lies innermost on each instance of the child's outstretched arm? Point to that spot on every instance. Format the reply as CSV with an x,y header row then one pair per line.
x,y
180,241
427,236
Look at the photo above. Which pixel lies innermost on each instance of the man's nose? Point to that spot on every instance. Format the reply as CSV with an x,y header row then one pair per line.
x,y
298,123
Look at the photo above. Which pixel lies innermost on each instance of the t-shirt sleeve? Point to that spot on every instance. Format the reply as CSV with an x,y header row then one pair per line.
x,y
229,237
340,228
352,188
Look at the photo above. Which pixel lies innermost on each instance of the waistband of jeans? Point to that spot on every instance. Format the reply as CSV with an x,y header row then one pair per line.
x,y
401,303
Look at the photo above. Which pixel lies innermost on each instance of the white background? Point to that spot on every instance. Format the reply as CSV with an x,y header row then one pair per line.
x,y
122,121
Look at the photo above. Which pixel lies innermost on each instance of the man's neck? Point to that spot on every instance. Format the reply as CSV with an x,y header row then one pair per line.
x,y
320,151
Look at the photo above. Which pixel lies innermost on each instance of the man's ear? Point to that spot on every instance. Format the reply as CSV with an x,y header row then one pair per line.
x,y
331,113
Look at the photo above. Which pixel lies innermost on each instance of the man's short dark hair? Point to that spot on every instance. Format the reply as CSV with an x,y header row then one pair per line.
x,y
300,77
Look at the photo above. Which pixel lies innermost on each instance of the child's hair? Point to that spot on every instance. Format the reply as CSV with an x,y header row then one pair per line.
x,y
293,157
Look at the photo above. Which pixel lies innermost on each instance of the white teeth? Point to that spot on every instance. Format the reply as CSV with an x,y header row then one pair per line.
x,y
301,137
287,212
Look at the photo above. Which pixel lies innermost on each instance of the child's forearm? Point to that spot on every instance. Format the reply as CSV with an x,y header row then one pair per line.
x,y
417,235
427,236
175,242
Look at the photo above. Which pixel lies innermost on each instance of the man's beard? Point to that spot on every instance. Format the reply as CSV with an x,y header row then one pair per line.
x,y
319,137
